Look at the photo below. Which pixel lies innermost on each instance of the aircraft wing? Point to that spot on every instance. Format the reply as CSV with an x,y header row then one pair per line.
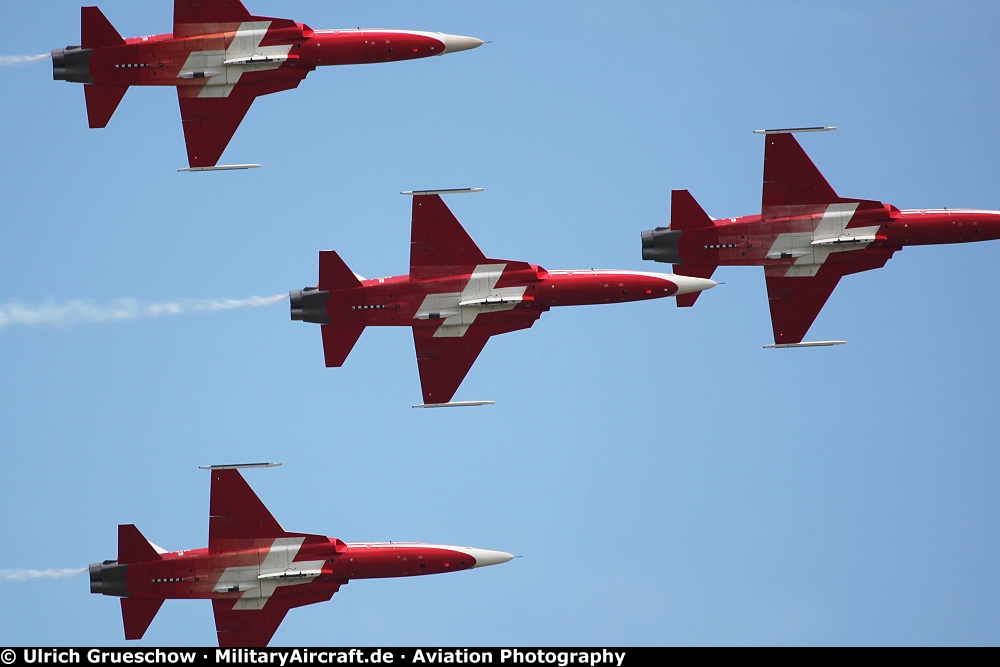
x,y
796,300
439,245
444,361
236,513
238,519
792,183
206,17
210,122
255,627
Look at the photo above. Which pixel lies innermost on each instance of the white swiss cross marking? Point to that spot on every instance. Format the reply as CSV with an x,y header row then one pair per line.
x,y
222,69
460,309
810,249
258,582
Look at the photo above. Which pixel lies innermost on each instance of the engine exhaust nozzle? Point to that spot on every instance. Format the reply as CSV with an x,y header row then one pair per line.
x,y
309,305
108,578
661,245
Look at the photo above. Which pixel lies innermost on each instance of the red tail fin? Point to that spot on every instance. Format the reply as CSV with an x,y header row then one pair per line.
x,y
338,341
334,273
137,614
96,30
102,102
695,271
686,213
133,547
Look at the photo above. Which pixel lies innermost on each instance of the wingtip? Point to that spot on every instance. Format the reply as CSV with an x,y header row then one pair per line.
x,y
793,130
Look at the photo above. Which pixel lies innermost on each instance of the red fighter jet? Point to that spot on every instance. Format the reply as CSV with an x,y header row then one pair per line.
x,y
221,58
254,571
806,237
455,297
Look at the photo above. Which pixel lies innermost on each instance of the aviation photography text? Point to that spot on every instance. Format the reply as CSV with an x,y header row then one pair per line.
x,y
315,656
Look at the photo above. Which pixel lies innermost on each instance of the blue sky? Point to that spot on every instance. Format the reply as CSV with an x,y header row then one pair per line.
x,y
666,480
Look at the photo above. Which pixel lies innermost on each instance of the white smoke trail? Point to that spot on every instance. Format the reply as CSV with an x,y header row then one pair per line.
x,y
27,575
6,61
74,312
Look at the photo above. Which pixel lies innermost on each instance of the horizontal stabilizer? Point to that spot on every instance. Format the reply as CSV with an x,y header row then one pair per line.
x,y
686,213
96,30
338,341
101,102
334,273
133,547
694,271
137,614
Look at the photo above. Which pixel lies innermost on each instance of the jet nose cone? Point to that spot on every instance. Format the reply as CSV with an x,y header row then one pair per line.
x,y
453,43
484,557
688,284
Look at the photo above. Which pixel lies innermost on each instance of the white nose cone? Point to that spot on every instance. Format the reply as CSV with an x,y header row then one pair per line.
x,y
484,557
688,284
453,43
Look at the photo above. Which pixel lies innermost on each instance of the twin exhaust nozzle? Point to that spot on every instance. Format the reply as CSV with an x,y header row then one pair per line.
x,y
71,64
309,305
108,578
661,245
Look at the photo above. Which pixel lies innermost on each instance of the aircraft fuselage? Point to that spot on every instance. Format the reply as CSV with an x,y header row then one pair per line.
x,y
402,301
220,59
256,570
810,239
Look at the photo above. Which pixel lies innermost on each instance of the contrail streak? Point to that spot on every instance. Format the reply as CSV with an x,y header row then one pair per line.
x,y
74,312
6,61
28,575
